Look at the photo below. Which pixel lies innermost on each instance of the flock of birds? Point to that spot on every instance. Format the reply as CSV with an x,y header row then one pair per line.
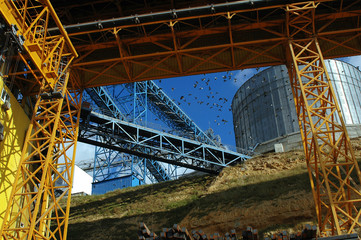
x,y
206,95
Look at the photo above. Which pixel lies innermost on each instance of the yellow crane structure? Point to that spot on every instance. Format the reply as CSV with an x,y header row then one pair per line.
x,y
33,202
330,159
168,43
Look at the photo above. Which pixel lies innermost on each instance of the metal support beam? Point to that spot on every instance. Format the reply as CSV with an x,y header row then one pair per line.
x,y
333,170
34,200
171,114
140,104
200,40
107,161
29,20
156,145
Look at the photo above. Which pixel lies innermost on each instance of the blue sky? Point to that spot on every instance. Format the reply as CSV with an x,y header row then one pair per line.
x,y
207,99
193,93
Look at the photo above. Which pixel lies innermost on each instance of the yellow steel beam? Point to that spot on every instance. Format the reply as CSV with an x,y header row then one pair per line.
x,y
330,159
46,169
30,19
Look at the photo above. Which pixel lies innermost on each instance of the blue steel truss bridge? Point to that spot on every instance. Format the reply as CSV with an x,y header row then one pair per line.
x,y
125,145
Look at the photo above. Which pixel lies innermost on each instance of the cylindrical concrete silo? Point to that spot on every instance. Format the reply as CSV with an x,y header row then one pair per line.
x,y
264,111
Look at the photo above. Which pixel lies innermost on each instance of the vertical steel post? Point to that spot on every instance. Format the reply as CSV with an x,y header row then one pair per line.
x,y
46,170
333,170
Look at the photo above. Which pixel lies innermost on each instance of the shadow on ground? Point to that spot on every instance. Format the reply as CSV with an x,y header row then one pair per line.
x,y
122,226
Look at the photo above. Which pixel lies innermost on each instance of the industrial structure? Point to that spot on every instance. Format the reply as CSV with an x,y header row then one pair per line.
x,y
115,166
264,111
48,64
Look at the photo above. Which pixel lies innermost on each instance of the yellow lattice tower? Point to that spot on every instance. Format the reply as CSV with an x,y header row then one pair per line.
x,y
35,196
35,199
333,170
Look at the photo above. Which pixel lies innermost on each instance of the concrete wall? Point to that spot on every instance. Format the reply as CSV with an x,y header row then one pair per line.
x,y
15,123
294,141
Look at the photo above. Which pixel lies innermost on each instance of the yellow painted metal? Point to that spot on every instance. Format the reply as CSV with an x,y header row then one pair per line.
x,y
34,201
333,170
15,123
51,54
45,173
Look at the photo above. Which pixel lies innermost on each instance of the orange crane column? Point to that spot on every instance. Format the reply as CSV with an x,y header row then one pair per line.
x,y
330,159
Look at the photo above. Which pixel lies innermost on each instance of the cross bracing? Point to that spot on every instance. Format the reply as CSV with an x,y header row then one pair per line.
x,y
110,164
103,100
161,105
104,159
194,38
171,114
104,131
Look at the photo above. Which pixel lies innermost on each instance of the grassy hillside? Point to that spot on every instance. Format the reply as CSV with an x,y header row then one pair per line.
x,y
269,192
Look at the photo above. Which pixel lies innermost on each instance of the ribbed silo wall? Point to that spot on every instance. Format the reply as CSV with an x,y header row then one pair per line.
x,y
264,112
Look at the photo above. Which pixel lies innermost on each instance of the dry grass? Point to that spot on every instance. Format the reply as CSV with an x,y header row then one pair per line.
x,y
269,192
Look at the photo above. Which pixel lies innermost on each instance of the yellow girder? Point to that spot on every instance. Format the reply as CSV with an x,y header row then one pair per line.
x,y
330,159
45,160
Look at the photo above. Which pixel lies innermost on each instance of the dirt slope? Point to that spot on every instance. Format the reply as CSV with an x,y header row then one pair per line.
x,y
269,192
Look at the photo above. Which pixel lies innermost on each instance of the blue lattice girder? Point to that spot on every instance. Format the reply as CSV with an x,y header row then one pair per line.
x,y
107,164
105,102
140,105
170,113
100,130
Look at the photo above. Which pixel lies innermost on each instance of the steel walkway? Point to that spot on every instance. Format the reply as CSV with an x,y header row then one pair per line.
x,y
102,99
104,131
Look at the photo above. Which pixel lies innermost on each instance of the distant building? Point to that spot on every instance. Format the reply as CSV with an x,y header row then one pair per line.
x,y
82,182
264,111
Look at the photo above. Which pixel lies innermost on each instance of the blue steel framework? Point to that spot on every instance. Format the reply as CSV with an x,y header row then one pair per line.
x,y
162,106
105,102
140,104
170,113
109,164
101,130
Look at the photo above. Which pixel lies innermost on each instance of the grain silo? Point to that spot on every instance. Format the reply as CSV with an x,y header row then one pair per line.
x,y
264,113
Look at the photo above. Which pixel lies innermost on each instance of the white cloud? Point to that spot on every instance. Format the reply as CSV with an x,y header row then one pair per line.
x,y
84,152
